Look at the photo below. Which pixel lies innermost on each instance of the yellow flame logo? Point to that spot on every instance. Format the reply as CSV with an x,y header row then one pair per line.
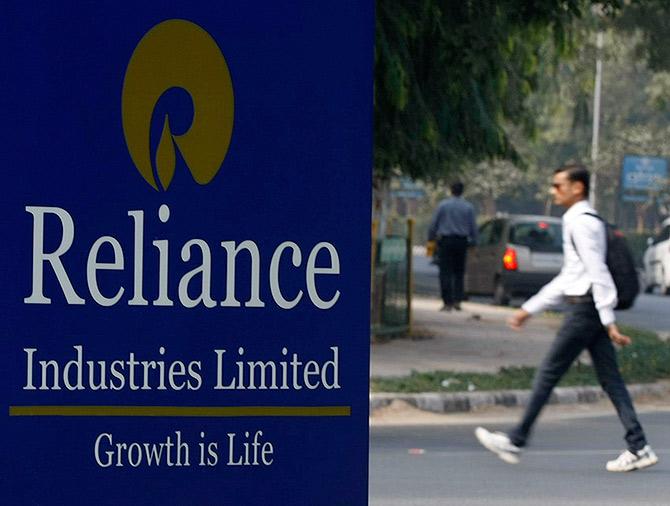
x,y
178,54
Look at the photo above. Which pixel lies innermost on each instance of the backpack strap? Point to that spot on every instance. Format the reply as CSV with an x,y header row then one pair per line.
x,y
572,239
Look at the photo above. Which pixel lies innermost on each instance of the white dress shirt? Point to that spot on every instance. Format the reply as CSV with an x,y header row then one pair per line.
x,y
580,272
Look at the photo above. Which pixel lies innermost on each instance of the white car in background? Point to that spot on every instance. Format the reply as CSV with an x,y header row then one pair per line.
x,y
657,261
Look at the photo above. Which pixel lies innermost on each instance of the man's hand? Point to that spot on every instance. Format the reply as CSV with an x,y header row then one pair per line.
x,y
430,248
517,319
616,336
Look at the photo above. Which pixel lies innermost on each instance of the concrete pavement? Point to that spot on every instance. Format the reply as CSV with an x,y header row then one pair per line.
x,y
475,339
442,463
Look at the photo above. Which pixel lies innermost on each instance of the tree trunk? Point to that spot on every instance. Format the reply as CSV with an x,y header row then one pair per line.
x,y
490,207
641,209
381,202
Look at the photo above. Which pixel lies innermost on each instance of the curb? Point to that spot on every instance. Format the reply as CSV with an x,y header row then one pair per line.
x,y
463,402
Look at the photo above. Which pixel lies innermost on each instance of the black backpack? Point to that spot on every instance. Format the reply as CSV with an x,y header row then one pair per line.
x,y
620,263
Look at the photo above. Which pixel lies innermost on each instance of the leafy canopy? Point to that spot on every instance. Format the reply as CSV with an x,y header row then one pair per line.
x,y
450,74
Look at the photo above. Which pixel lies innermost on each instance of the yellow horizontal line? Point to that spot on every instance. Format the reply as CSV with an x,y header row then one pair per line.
x,y
182,411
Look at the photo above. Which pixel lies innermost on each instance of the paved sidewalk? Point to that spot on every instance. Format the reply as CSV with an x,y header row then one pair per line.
x,y
475,339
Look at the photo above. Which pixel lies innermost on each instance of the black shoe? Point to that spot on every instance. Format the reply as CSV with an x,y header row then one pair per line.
x,y
446,307
457,306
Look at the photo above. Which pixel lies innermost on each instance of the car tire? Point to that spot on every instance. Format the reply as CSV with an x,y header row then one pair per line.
x,y
646,282
665,289
500,295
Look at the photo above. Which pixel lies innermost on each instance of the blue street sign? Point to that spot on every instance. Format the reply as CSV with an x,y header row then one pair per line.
x,y
641,175
185,260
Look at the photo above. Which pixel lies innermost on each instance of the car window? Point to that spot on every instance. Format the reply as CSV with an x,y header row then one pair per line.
x,y
496,232
538,236
485,234
663,236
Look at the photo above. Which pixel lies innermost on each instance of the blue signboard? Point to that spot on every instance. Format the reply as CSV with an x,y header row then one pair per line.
x,y
641,175
185,252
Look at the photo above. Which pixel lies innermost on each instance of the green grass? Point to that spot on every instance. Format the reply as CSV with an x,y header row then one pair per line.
x,y
645,361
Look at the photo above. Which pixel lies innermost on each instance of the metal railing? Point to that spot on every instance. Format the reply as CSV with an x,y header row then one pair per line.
x,y
391,294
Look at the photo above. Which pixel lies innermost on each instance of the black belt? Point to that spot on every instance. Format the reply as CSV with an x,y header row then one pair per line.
x,y
579,299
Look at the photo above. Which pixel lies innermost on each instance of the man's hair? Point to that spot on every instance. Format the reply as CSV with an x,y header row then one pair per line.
x,y
457,189
576,172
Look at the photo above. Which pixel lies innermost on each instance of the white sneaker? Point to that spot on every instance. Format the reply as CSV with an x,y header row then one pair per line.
x,y
500,444
629,461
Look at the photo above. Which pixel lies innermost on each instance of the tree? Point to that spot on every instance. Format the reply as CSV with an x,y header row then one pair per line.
x,y
490,181
634,116
649,19
449,74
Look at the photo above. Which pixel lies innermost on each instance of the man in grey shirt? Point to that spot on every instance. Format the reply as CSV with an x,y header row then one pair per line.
x,y
453,227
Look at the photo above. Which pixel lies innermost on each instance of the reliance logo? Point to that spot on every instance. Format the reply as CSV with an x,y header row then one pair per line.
x,y
178,54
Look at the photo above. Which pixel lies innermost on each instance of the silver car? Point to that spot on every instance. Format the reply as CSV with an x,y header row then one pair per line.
x,y
515,256
657,261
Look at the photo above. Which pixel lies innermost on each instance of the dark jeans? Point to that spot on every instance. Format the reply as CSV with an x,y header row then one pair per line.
x,y
452,251
581,330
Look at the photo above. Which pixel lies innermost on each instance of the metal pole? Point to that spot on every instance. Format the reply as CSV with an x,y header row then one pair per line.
x,y
410,273
596,120
374,310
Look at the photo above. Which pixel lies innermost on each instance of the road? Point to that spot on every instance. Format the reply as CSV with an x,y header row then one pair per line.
x,y
442,464
651,311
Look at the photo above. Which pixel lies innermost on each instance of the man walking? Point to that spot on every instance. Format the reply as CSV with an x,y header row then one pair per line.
x,y
453,227
586,285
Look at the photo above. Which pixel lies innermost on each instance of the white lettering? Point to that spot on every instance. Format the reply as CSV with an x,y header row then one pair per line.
x,y
92,267
39,256
296,258
312,271
186,294
205,270
232,251
138,299
29,368
109,453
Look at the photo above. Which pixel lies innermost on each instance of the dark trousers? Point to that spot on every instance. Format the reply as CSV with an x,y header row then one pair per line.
x,y
581,330
452,252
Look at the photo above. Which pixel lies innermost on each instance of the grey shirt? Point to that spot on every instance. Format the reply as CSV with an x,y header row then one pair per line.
x,y
453,216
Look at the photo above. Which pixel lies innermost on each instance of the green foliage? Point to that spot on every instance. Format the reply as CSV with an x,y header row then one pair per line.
x,y
510,377
646,360
450,73
634,118
632,121
651,19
